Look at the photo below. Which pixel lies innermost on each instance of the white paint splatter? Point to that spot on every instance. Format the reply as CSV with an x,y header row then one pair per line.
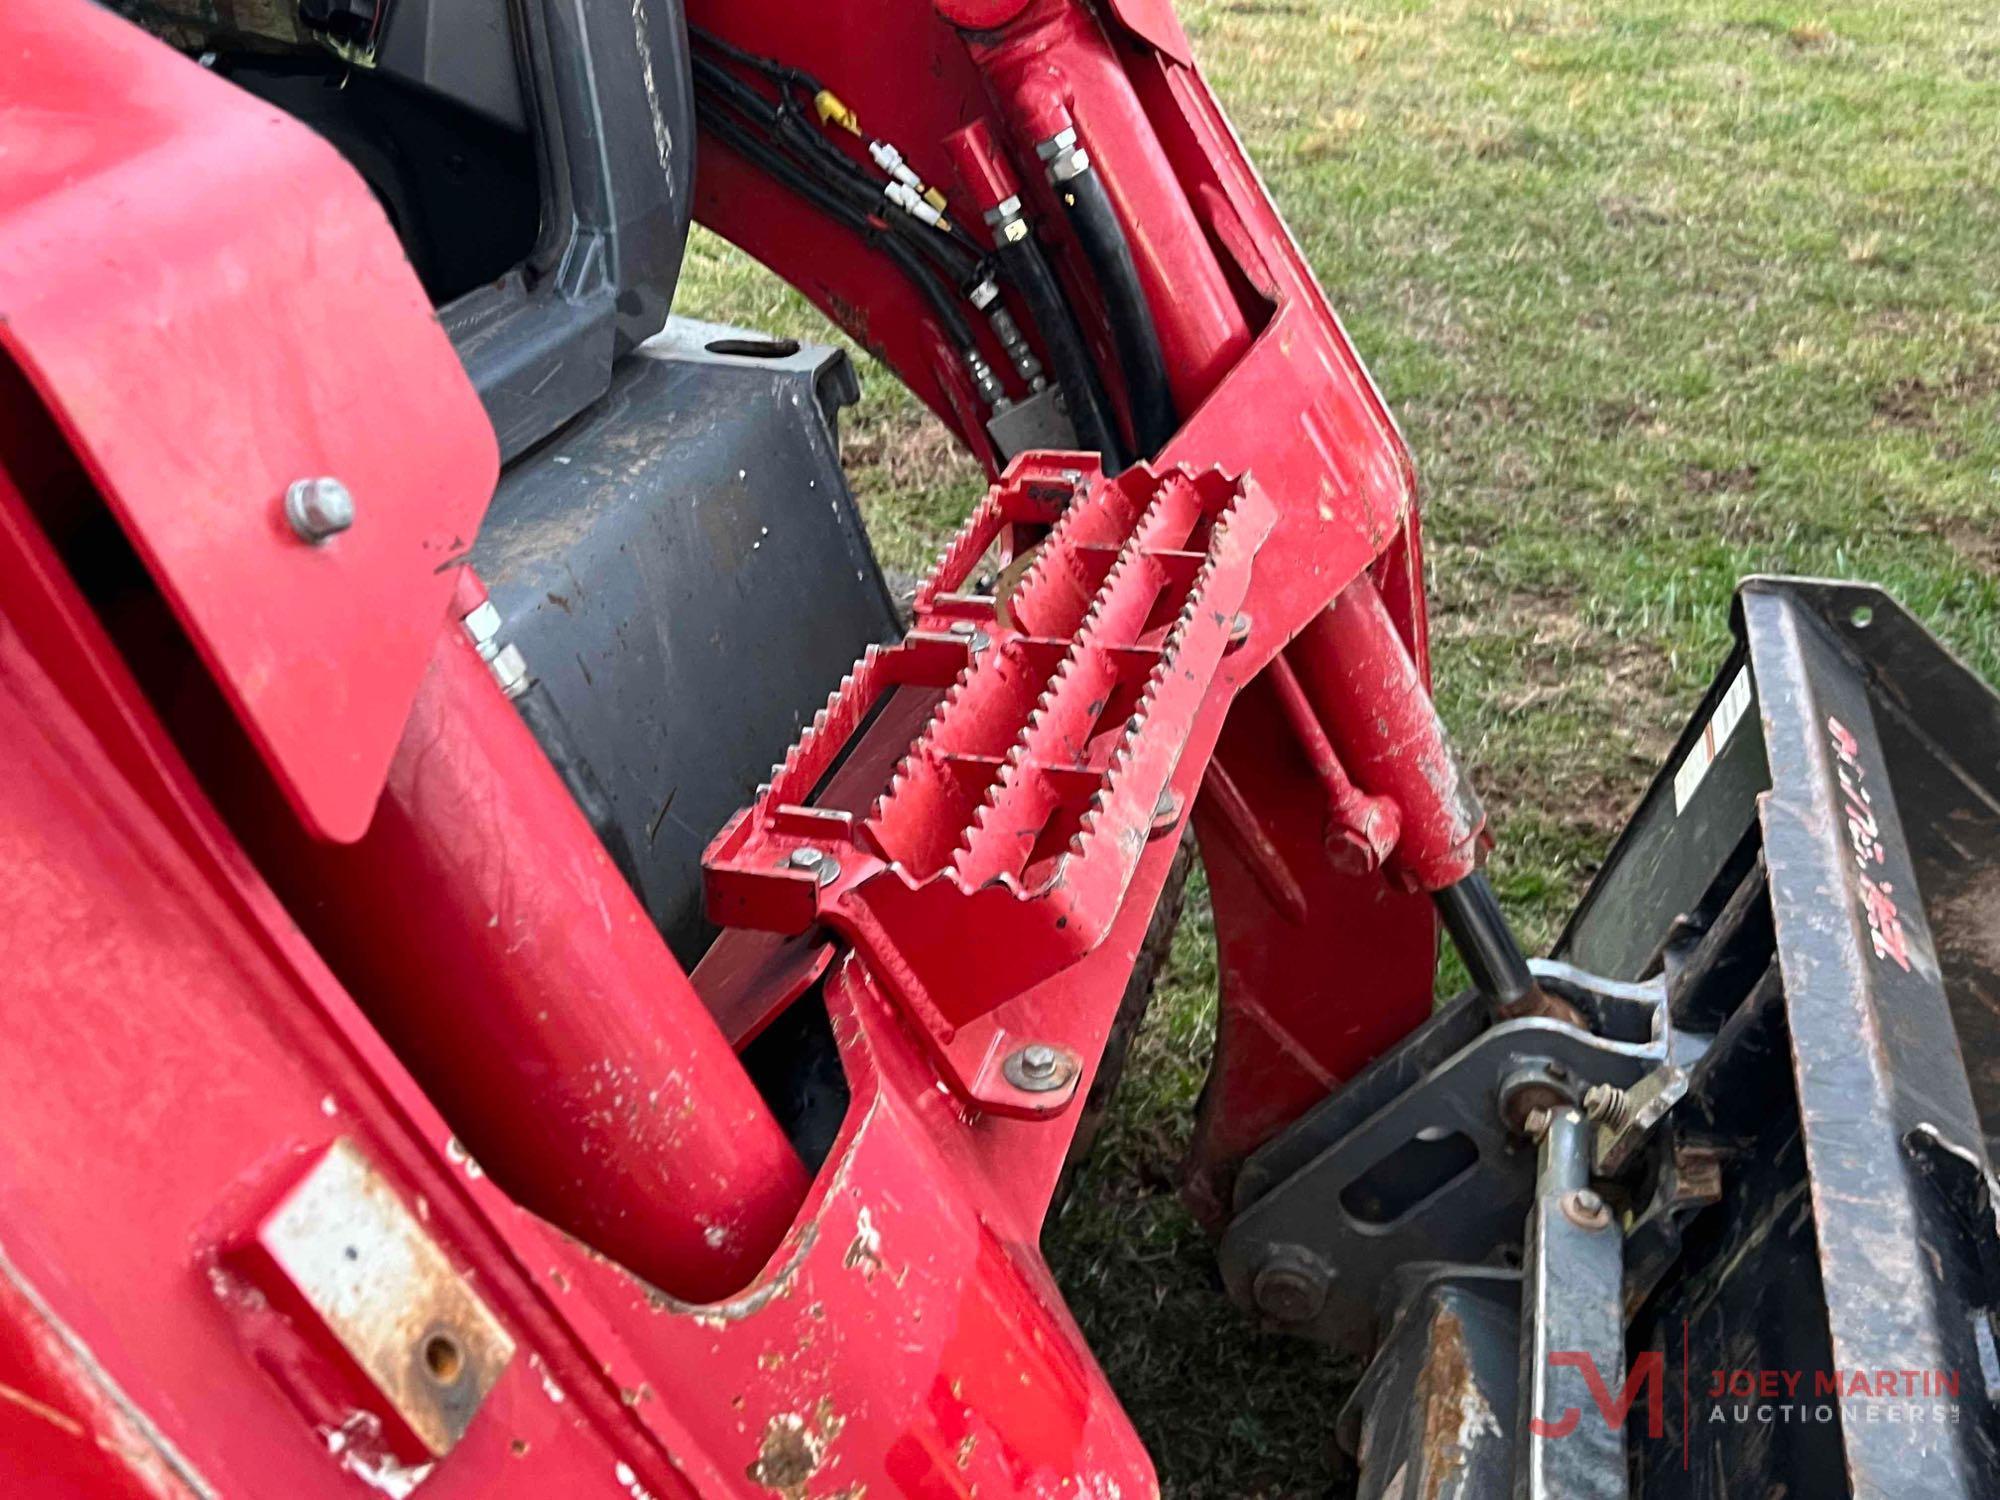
x,y
624,1475
357,1443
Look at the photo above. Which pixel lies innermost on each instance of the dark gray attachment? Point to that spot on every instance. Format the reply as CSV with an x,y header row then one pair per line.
x,y
685,572
1036,423
1814,883
1437,1170
1435,1414
463,49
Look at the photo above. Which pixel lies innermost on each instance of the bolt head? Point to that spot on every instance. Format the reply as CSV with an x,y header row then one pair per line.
x,y
1586,1210
318,508
815,862
1038,1068
1290,1286
1239,629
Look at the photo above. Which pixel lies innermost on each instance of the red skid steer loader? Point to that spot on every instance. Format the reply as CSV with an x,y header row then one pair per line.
x,y
445,1056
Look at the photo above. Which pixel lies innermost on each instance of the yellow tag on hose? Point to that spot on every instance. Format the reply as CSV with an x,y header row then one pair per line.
x,y
834,111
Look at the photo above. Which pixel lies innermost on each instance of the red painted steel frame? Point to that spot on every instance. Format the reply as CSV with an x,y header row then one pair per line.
x,y
636,1128
1320,969
176,1053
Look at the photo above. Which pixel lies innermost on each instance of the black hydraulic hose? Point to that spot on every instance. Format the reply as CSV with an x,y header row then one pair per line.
x,y
1069,357
770,67
1133,331
761,154
955,256
955,252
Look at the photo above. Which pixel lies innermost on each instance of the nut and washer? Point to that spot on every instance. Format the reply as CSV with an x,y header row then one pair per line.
x,y
816,862
1039,1068
1066,159
1586,1210
1291,1285
318,508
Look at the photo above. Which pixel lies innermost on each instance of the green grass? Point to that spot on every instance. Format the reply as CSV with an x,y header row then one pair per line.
x,y
1663,293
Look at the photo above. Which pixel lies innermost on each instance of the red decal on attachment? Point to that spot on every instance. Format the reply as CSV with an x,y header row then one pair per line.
x,y
1864,836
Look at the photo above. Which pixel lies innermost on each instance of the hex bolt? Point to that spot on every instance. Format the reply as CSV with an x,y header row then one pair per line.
x,y
970,631
1537,1124
1039,1068
318,508
1586,1210
1239,629
1291,1285
816,862
1166,812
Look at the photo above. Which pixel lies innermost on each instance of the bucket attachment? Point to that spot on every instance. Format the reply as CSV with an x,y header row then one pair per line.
x,y
1737,1235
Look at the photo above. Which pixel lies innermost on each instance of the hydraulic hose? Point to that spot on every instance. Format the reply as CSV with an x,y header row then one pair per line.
x,y
1133,331
954,253
942,300
1069,357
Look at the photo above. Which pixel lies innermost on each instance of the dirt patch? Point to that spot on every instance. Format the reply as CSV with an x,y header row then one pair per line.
x,y
1697,480
1917,403
1609,418
1978,543
1560,664
1623,212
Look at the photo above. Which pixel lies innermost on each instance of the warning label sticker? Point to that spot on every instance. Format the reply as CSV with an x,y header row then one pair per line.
x,y
1714,735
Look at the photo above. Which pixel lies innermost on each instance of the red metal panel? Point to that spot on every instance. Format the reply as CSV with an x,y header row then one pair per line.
x,y
904,1338
213,306
162,1075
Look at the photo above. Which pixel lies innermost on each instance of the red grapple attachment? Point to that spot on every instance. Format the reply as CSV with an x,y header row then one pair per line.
x,y
1000,849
